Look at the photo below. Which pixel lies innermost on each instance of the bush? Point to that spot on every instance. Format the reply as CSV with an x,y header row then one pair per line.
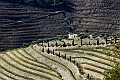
x,y
112,74
34,42
25,44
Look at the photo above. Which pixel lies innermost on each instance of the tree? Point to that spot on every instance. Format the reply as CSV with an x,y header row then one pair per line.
x,y
25,44
89,43
70,58
48,44
65,55
81,41
97,41
33,42
48,51
56,44
112,74
43,49
73,43
59,54
53,52
64,45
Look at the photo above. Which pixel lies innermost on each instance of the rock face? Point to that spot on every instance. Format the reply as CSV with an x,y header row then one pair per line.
x,y
22,24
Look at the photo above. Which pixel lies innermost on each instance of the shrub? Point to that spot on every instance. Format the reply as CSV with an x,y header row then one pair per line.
x,y
33,42
25,44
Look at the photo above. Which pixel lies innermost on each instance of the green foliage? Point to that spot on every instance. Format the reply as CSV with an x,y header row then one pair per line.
x,y
112,74
25,44
33,42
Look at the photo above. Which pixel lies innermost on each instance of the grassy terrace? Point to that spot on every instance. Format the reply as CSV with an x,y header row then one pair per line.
x,y
81,55
29,64
31,67
24,65
90,54
13,73
95,50
95,55
24,70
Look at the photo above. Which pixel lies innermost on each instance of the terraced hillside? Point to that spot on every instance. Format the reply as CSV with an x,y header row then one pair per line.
x,y
22,24
70,63
93,60
29,64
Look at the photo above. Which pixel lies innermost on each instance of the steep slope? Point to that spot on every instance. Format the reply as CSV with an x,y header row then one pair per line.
x,y
21,24
98,15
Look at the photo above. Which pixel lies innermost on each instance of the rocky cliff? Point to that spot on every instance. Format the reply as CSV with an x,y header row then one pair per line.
x,y
21,24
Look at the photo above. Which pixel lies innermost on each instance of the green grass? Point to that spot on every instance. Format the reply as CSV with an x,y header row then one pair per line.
x,y
54,61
